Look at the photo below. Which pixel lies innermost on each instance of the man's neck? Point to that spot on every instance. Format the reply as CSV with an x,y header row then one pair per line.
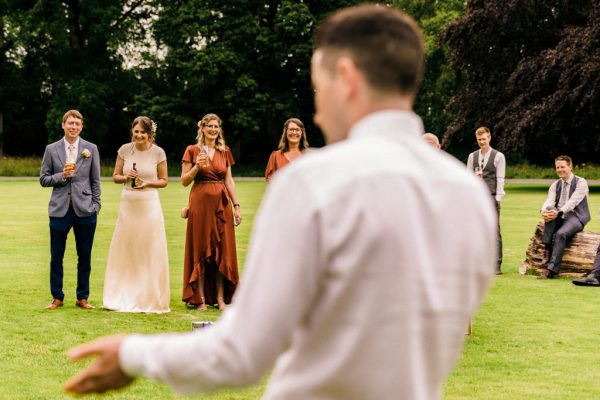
x,y
374,102
484,150
568,177
71,140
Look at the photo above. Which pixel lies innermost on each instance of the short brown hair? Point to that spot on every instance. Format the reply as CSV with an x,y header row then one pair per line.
x,y
74,114
385,44
564,158
481,130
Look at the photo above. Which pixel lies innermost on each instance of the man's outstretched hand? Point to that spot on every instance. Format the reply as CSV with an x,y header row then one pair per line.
x,y
104,373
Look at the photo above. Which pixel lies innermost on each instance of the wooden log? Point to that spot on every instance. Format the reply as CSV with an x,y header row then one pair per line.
x,y
578,257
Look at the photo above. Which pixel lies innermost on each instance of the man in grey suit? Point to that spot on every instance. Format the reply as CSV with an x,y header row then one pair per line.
x,y
565,212
71,166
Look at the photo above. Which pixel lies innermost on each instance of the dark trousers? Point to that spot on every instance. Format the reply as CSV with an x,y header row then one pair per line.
x,y
84,229
596,267
563,230
499,238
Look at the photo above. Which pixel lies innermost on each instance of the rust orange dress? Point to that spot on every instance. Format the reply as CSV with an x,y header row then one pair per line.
x,y
276,161
210,234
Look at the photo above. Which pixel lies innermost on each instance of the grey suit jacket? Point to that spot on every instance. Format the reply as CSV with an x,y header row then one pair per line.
x,y
82,190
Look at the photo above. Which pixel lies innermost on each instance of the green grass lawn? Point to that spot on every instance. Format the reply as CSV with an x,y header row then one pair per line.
x,y
531,340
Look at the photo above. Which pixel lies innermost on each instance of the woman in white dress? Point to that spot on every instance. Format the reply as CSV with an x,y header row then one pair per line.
x,y
137,269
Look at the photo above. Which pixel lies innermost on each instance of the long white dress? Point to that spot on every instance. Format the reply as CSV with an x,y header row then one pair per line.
x,y
137,268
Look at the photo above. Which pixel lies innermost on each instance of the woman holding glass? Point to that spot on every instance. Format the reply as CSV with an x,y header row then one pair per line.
x,y
137,268
210,273
291,145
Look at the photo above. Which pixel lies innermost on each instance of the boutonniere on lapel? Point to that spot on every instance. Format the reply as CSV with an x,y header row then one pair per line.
x,y
85,154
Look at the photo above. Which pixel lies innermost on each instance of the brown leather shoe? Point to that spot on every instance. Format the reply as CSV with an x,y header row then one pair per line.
x,y
546,274
55,304
83,303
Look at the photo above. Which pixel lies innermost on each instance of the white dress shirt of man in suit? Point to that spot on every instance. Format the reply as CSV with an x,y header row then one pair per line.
x,y
490,165
74,203
565,212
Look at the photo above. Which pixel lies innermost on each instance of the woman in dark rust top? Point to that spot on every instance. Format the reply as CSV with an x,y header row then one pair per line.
x,y
291,145
210,272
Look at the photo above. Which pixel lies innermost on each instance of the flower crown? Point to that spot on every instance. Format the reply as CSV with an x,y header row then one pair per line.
x,y
154,126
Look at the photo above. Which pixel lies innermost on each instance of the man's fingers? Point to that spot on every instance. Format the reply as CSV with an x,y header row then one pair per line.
x,y
76,385
83,351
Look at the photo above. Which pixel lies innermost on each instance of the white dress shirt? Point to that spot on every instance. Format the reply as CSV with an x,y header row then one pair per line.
x,y
367,259
499,164
581,191
75,149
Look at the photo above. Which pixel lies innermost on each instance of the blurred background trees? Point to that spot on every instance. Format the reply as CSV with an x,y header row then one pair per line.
x,y
528,69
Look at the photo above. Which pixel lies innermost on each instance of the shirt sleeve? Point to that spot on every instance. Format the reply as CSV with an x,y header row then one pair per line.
x,y
250,335
188,155
580,193
470,162
500,164
160,155
551,199
121,151
271,166
229,155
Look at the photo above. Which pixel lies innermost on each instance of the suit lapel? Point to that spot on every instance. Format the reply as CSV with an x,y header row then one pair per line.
x,y
60,151
82,146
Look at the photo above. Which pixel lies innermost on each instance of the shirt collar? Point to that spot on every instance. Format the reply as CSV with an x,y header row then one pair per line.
x,y
390,124
569,179
486,154
76,144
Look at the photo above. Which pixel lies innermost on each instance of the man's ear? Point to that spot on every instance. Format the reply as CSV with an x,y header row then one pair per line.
x,y
349,77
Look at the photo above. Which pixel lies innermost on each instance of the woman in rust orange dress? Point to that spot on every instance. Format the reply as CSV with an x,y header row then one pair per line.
x,y
291,145
210,272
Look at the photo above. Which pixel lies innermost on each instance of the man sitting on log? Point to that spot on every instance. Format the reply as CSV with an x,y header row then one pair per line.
x,y
565,213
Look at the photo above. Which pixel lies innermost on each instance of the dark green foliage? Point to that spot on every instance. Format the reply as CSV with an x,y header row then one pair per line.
x,y
532,75
248,61
439,81
65,57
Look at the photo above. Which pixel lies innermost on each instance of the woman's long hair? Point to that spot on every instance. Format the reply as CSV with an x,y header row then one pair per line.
x,y
284,146
220,141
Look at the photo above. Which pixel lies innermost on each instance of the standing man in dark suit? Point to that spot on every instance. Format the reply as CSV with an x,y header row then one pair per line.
x,y
71,166
490,165
565,213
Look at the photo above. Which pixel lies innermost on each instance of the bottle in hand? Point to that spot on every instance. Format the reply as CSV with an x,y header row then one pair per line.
x,y
134,182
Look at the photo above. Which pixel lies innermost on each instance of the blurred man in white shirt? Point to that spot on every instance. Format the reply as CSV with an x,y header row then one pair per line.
x,y
367,259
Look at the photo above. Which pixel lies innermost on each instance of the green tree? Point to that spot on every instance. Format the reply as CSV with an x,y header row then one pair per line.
x,y
19,98
440,81
531,74
248,61
65,55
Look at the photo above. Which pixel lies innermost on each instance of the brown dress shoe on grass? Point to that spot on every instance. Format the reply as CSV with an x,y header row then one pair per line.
x,y
83,303
55,304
